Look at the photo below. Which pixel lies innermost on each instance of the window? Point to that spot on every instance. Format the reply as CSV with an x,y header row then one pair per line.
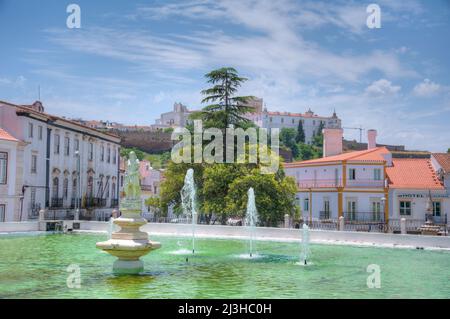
x,y
76,145
107,192
56,144
2,212
121,181
114,159
91,151
351,209
376,210
377,174
326,208
30,130
270,119
113,190
102,153
306,205
74,188
33,198
282,120
3,167
66,188
67,146
293,121
314,122
108,155
405,208
55,188
40,132
352,174
437,209
90,187
33,163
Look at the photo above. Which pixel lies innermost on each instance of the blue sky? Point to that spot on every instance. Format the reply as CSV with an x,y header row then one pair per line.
x,y
131,60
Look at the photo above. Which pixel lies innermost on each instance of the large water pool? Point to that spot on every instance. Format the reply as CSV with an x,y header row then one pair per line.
x,y
35,266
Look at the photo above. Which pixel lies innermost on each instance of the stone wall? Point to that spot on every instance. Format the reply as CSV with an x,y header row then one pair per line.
x,y
150,142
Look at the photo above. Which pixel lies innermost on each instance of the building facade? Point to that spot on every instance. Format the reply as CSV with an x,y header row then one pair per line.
x,y
63,165
368,185
179,117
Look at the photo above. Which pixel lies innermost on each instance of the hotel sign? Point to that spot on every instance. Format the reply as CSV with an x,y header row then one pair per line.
x,y
423,195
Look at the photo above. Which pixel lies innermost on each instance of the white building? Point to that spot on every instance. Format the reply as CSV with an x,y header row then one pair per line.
x,y
367,185
261,117
178,117
59,164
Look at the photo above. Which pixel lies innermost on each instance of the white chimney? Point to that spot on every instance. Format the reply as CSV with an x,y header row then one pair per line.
x,y
332,141
371,139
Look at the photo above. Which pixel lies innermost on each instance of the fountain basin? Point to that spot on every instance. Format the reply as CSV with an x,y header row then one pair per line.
x,y
128,253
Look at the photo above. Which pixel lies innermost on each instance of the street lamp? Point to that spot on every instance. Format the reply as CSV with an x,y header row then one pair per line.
x,y
78,197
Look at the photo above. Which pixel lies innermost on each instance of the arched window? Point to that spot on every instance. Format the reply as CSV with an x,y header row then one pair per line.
x,y
113,190
66,188
74,188
90,186
55,188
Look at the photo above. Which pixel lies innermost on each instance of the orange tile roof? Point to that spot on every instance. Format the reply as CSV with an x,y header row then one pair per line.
x,y
372,155
6,136
413,173
444,160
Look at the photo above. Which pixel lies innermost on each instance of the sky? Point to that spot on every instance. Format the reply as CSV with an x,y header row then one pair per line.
x,y
131,60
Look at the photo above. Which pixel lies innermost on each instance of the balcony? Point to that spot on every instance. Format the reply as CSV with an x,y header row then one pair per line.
x,y
366,217
114,203
75,202
325,215
56,202
148,188
95,202
319,183
364,183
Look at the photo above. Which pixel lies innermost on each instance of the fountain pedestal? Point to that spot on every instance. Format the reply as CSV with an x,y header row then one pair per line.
x,y
129,243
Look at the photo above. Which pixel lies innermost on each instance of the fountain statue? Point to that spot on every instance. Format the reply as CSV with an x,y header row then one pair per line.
x,y
304,253
129,243
188,201
251,217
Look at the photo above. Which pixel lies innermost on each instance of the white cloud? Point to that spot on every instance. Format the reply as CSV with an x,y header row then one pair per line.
x,y
382,87
17,82
426,88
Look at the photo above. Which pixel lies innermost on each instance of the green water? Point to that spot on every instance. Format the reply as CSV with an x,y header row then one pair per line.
x,y
36,267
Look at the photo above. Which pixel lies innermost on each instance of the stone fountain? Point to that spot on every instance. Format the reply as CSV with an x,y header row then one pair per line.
x,y
129,243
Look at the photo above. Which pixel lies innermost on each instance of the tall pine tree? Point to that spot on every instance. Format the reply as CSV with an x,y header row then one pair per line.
x,y
300,138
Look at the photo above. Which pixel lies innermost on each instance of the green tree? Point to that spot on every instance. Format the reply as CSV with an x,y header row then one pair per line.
x,y
154,204
288,139
300,137
226,108
448,151
216,181
124,152
274,198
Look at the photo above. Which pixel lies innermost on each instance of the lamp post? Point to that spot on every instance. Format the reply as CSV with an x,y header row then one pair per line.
x,y
383,205
78,193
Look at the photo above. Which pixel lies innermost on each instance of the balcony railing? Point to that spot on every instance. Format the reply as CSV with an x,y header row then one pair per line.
x,y
95,202
325,215
324,183
364,183
314,183
376,217
75,202
56,202
114,203
148,188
